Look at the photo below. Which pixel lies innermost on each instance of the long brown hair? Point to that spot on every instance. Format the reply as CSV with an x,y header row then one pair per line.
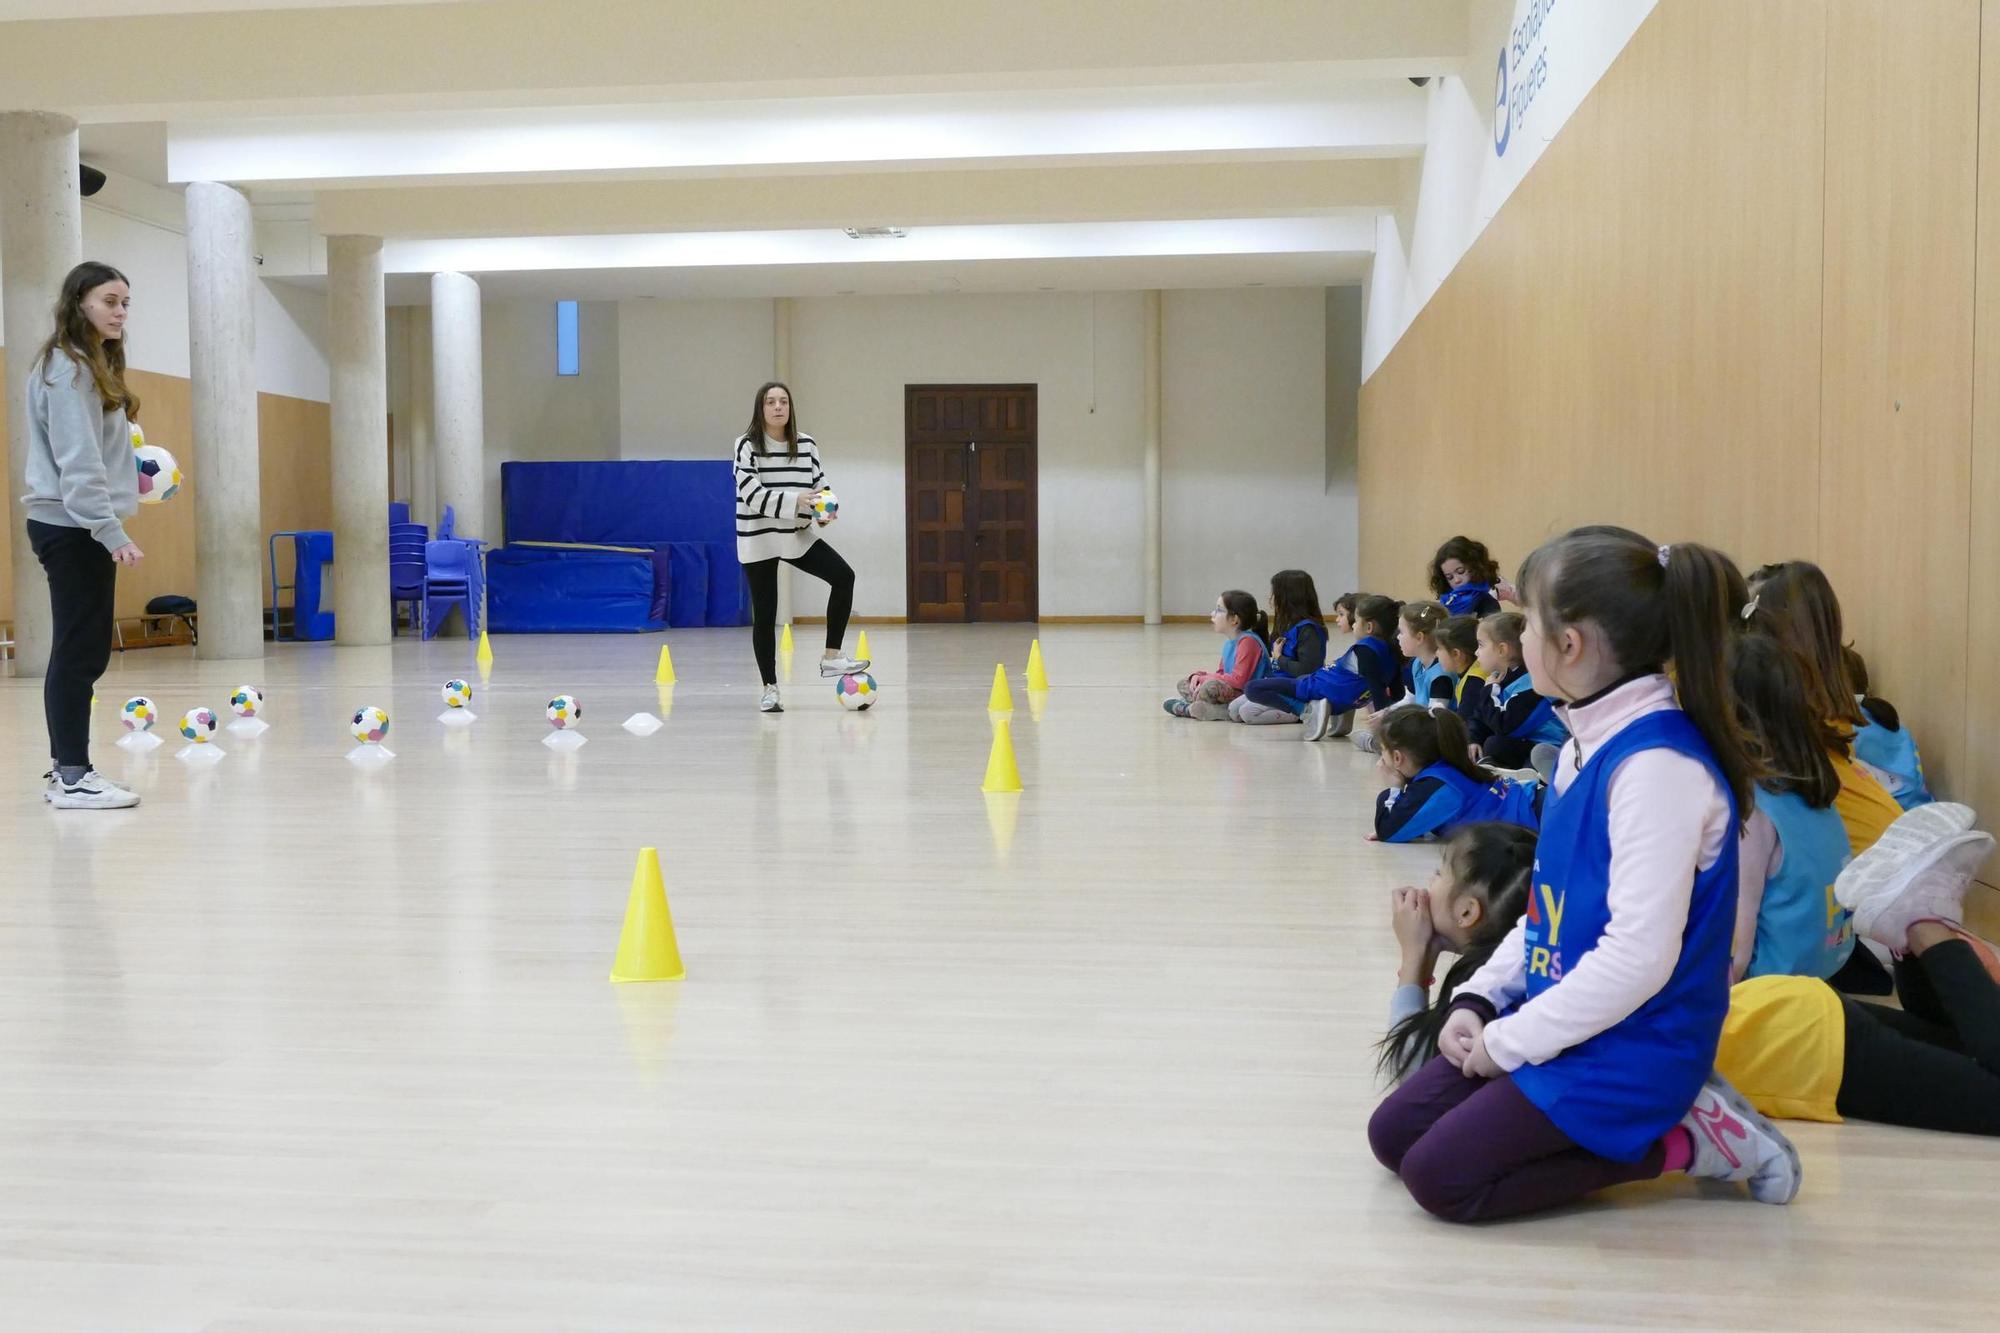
x,y
1771,698
1293,600
1795,604
756,432
1656,605
105,358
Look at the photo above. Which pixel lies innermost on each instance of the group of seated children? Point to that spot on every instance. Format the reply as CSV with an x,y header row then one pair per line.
x,y
1450,707
1734,836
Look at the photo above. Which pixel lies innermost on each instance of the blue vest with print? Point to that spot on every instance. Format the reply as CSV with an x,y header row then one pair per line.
x,y
1421,678
1463,801
1542,725
1894,755
1235,644
1801,930
1616,1093
1465,599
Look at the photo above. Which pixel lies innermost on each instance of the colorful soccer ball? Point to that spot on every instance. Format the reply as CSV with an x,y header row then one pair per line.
x,y
198,725
370,725
139,714
857,691
564,711
825,504
457,693
246,701
159,474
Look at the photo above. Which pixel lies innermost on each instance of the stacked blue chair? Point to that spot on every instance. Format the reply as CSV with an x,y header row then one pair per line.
x,y
452,575
408,570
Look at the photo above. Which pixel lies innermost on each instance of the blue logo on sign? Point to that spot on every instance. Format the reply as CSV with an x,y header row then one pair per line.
x,y
1503,121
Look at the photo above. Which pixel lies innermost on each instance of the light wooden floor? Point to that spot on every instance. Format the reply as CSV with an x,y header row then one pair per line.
x,y
297,1046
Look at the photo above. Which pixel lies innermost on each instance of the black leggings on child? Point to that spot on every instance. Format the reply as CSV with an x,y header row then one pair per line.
x,y
1935,1063
823,563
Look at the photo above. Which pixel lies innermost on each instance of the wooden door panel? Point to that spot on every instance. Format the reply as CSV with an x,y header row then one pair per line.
x,y
970,482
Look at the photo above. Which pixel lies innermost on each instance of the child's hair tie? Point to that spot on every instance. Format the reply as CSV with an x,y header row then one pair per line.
x,y
1664,549
1750,607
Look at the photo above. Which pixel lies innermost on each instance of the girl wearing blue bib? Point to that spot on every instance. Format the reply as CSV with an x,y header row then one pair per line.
x,y
1433,785
1882,741
1367,672
1580,1056
1298,646
1463,575
1794,846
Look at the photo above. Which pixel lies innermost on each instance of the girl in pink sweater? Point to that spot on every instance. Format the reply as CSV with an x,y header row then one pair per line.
x,y
1205,695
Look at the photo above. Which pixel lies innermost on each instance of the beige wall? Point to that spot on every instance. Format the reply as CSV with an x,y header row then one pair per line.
x,y
294,451
1735,302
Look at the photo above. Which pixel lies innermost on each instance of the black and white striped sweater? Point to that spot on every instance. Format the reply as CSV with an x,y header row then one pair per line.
x,y
768,481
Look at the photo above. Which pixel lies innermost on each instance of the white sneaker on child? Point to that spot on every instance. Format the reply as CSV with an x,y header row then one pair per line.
x,y
1928,886
92,791
1317,718
770,702
1733,1142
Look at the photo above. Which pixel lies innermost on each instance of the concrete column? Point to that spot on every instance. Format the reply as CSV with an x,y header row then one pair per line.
x,y
1149,400
423,457
360,413
222,368
41,240
781,369
458,403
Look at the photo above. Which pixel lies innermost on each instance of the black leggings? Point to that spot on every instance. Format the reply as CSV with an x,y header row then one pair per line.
x,y
1935,1063
823,563
83,578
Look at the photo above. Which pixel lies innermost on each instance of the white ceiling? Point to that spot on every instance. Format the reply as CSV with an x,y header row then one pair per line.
x,y
714,147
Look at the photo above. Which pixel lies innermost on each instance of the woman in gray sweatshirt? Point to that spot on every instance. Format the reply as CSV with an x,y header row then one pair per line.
x,y
81,486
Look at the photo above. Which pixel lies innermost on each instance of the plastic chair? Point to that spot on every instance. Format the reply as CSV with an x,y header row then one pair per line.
x,y
452,575
399,512
406,584
446,524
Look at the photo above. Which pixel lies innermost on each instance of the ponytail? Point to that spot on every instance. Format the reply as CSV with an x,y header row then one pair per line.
x,y
1432,737
1654,605
1701,620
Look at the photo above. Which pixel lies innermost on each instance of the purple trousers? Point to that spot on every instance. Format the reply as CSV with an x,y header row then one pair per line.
x,y
1476,1150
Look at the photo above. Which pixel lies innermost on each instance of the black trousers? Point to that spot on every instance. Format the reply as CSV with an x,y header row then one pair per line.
x,y
823,563
82,580
1935,1063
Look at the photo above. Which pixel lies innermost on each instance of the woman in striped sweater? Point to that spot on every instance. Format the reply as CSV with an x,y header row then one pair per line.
x,y
777,475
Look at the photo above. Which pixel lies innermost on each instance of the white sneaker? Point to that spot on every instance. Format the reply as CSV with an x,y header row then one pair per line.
x,y
769,703
1317,717
1733,1142
92,791
1930,886
1916,836
830,667
49,785
1366,741
1343,724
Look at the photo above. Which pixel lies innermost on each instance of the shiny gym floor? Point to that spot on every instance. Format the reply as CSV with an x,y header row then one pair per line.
x,y
299,1045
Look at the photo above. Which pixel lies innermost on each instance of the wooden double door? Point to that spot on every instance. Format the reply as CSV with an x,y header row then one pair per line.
x,y
969,480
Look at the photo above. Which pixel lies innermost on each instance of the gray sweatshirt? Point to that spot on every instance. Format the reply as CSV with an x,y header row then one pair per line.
x,y
80,468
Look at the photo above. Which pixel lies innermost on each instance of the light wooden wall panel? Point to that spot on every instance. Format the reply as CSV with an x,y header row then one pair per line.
x,y
1896,391
295,459
1636,336
1978,776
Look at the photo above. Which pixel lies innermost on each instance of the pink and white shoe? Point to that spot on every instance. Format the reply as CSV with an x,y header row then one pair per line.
x,y
1733,1142
1929,887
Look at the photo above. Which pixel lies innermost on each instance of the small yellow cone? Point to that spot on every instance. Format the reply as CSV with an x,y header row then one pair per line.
x,y
785,641
1002,774
1038,678
861,649
647,950
1002,699
485,655
665,675
1038,703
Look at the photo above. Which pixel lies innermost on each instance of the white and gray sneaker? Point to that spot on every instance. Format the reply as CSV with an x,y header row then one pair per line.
x,y
1733,1142
769,703
92,791
831,667
1317,717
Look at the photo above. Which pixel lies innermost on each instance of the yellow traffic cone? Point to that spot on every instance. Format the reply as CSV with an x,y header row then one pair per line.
x,y
647,950
1002,774
485,655
785,641
665,674
1002,699
666,701
861,648
1038,679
